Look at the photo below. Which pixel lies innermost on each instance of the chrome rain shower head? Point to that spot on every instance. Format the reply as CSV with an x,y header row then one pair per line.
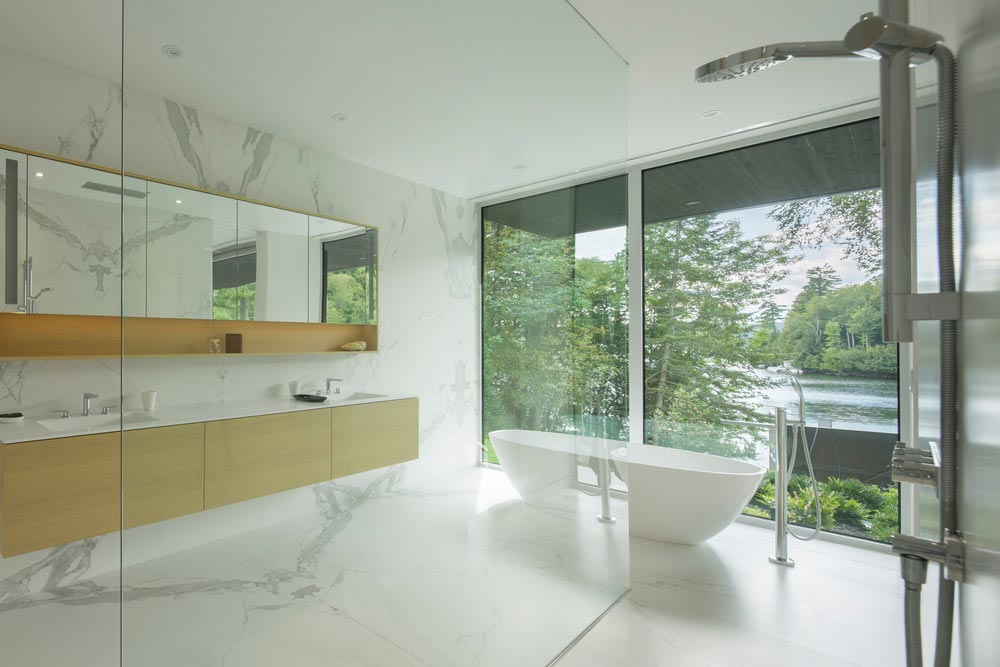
x,y
762,57
869,38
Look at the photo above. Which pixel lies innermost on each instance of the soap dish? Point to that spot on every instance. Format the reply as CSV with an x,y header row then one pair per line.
x,y
12,418
309,398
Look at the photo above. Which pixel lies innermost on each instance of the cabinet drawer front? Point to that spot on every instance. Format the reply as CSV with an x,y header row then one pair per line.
x,y
257,456
164,473
59,491
374,435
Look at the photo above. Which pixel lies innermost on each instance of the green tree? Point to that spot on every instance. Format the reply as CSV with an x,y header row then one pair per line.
x,y
852,220
704,282
347,296
555,335
837,330
764,340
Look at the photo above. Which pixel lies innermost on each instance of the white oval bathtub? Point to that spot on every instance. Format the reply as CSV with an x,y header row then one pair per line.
x,y
684,497
673,495
539,463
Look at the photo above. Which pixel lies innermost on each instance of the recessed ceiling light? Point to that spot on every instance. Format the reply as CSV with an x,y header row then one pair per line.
x,y
711,113
171,51
39,174
694,202
521,165
338,117
179,201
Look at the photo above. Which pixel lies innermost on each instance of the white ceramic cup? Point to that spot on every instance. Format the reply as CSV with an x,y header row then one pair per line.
x,y
294,387
149,401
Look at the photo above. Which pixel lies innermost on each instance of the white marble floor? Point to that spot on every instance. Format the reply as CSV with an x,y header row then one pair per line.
x,y
723,604
456,571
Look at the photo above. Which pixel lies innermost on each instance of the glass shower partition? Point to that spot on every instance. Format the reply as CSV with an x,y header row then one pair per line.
x,y
768,285
256,139
60,334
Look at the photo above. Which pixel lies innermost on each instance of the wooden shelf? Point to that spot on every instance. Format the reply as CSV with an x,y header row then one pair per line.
x,y
100,337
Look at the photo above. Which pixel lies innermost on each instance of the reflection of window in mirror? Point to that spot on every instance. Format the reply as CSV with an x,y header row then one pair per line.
x,y
234,282
349,279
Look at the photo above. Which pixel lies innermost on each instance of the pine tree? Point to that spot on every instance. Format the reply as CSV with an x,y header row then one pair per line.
x,y
704,282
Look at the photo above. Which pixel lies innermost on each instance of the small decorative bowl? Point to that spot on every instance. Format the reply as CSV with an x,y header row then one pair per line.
x,y
12,418
309,398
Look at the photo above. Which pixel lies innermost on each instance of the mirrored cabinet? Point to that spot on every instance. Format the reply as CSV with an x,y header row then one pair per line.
x,y
82,241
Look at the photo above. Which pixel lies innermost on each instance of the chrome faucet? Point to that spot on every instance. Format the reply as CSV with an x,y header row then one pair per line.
x,y
87,398
27,285
329,385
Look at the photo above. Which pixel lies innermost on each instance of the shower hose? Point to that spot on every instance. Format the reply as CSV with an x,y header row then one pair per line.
x,y
798,429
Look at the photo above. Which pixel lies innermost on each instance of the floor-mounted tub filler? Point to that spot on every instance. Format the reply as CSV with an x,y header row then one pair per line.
x,y
674,495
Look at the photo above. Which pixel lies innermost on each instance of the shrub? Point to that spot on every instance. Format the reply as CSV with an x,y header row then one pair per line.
x,y
849,505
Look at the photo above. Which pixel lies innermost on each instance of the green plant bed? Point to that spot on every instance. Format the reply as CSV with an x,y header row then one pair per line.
x,y
850,506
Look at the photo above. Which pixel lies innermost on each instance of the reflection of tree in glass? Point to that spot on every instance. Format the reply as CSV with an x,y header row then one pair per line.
x,y
348,296
226,301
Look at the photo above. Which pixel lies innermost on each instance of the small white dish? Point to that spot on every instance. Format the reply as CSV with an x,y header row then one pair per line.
x,y
12,419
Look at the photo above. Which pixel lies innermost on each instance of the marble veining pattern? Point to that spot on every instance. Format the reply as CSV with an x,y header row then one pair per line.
x,y
93,125
371,571
428,279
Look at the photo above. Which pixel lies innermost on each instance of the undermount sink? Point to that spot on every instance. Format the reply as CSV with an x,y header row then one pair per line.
x,y
63,425
355,396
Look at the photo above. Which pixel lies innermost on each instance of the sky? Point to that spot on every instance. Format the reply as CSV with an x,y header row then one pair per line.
x,y
605,243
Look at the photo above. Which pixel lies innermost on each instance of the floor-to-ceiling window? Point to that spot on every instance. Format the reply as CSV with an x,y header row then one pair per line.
x,y
555,330
762,265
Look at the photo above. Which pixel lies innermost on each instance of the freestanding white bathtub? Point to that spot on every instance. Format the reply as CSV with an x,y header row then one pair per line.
x,y
673,495
684,497
539,463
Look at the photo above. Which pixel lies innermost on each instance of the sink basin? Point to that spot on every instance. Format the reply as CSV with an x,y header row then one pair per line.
x,y
356,396
82,424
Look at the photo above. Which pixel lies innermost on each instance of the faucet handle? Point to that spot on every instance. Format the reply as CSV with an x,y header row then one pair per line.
x,y
108,410
62,413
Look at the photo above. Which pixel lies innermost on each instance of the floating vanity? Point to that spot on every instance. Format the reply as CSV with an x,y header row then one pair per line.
x,y
59,485
97,264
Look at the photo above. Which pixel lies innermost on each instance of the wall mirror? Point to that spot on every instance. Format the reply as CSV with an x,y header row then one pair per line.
x,y
178,252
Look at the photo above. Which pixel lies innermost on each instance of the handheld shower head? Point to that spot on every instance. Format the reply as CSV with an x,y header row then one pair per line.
x,y
753,60
802,401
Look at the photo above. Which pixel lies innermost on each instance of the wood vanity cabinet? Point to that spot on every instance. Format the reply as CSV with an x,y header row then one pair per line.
x,y
374,435
59,491
257,456
163,473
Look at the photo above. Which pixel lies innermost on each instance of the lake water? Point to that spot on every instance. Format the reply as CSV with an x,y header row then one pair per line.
x,y
868,404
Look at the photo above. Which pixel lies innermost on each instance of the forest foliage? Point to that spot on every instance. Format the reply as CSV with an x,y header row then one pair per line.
x,y
555,329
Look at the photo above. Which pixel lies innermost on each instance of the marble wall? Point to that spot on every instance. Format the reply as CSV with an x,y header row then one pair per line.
x,y
428,281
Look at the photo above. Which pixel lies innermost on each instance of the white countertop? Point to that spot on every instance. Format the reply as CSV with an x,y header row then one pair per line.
x,y
30,429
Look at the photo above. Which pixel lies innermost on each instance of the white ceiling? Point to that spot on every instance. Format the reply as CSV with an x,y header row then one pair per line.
x,y
451,93
455,93
664,41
